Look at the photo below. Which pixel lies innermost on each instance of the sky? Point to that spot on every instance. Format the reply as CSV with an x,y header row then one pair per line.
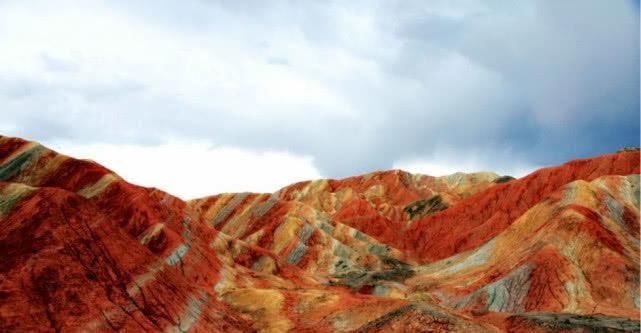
x,y
202,97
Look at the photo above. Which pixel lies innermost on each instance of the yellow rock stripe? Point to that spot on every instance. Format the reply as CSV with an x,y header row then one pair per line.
x,y
99,186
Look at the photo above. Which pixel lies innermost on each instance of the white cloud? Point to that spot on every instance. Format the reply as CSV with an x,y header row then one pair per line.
x,y
356,85
444,163
191,170
220,69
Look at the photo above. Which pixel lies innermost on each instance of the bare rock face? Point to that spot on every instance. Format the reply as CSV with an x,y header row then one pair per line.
x,y
390,251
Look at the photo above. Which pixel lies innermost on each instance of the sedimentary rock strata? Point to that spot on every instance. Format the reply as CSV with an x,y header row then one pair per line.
x,y
390,251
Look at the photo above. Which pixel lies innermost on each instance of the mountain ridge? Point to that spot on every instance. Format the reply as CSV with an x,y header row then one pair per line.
x,y
89,251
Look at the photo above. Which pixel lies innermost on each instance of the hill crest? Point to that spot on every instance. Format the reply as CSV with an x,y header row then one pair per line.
x,y
389,250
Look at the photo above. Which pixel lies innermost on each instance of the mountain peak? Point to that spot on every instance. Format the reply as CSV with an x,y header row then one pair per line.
x,y
84,250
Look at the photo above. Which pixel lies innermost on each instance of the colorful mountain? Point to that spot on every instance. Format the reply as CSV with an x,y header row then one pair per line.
x,y
555,251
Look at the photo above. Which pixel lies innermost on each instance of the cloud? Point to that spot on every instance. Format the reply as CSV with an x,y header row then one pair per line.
x,y
442,163
194,169
358,86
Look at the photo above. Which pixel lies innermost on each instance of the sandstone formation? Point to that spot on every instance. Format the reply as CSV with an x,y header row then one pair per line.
x,y
84,251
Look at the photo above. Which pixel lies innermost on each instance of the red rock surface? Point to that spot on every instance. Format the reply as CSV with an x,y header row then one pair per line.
x,y
484,215
83,250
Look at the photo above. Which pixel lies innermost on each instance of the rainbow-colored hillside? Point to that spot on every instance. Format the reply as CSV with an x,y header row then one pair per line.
x,y
85,251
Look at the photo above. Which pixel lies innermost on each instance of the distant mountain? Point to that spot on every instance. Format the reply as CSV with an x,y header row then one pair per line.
x,y
390,251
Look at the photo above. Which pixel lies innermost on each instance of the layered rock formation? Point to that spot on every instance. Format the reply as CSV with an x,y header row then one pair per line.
x,y
555,251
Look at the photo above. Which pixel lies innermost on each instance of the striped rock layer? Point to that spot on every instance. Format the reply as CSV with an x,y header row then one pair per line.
x,y
85,251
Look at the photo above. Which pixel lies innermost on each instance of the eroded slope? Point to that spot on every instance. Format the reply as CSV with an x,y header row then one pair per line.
x,y
83,250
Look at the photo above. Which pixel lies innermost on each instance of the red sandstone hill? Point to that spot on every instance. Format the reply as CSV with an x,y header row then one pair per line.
x,y
555,251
